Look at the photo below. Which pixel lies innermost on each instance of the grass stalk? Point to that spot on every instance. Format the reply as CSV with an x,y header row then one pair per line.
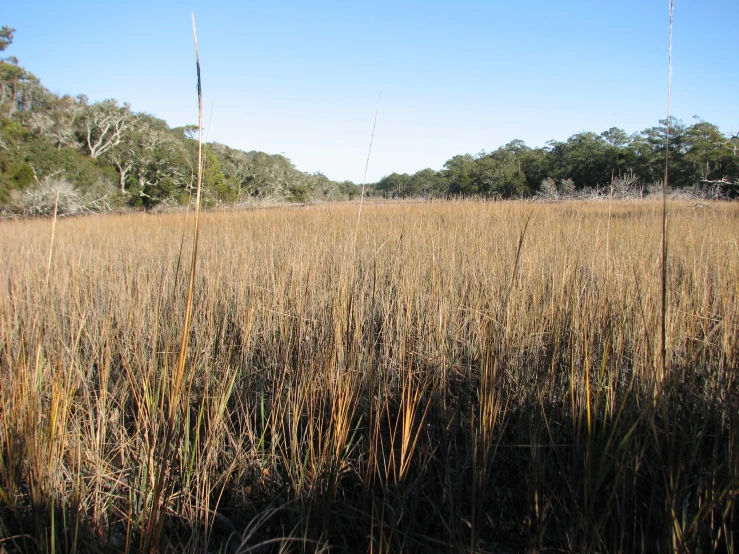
x,y
364,179
178,391
663,258
51,242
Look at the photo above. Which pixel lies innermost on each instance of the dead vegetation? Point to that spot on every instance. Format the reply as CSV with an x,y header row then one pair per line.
x,y
467,376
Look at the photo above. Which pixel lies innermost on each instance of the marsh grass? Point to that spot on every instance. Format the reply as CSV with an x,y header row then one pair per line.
x,y
460,377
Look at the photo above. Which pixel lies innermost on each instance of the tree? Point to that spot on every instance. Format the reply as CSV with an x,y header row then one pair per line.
x,y
428,183
153,162
500,173
615,137
681,174
103,125
15,81
214,180
190,131
586,158
348,189
458,173
17,86
236,165
6,37
162,168
271,175
705,153
322,183
141,152
299,194
395,185
54,118
535,165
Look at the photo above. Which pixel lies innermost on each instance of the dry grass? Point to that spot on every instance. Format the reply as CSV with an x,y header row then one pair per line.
x,y
461,382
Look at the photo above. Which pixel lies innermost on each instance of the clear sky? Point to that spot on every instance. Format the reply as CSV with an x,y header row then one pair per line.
x,y
303,77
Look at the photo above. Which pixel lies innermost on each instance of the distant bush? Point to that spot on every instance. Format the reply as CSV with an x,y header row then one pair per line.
x,y
40,198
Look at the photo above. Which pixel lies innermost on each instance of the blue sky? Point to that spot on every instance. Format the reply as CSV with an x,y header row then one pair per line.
x,y
303,78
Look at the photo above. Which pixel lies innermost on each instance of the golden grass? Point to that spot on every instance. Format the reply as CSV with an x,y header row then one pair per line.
x,y
439,389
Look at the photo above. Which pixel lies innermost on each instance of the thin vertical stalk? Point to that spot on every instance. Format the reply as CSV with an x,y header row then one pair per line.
x,y
663,272
196,231
155,522
364,179
51,244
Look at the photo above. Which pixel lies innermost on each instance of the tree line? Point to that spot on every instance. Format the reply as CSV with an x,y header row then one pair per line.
x,y
700,156
104,150
102,154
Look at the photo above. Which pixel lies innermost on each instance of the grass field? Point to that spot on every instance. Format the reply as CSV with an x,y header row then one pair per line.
x,y
467,377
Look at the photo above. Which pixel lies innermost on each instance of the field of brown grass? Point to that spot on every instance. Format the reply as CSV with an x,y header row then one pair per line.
x,y
467,377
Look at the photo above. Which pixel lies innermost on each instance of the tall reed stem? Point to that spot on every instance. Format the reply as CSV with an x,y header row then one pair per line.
x,y
663,272
177,390
51,243
364,179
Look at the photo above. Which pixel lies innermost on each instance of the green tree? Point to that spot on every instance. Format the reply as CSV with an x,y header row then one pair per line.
x,y
427,183
705,151
586,158
6,37
458,173
395,185
681,173
214,180
616,137
298,193
17,86
500,173
144,154
54,118
349,189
